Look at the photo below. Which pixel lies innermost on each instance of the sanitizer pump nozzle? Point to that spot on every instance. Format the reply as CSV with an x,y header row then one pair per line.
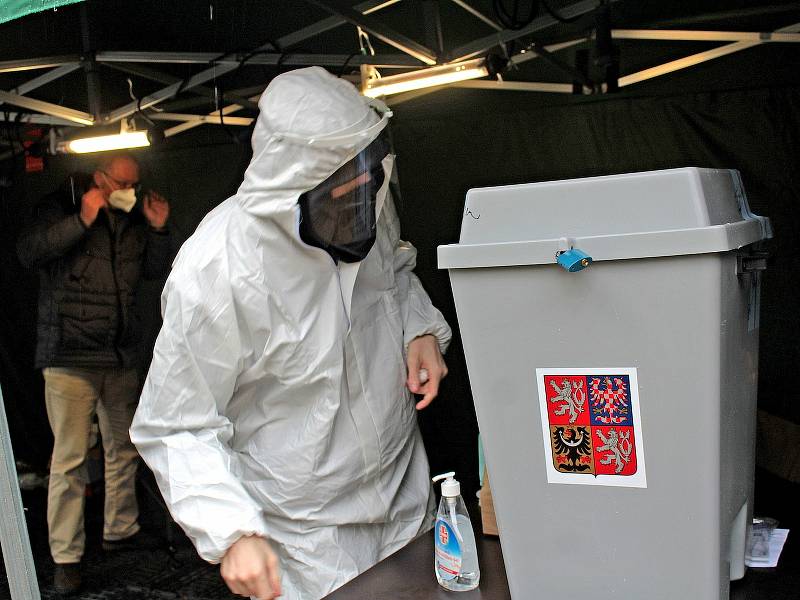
x,y
451,490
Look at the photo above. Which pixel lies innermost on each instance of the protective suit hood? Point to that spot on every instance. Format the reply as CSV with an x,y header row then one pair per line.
x,y
309,124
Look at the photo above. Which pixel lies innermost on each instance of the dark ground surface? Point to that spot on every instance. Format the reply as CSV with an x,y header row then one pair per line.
x,y
173,571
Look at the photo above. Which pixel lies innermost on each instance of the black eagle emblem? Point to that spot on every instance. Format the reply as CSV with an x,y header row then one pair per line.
x,y
572,449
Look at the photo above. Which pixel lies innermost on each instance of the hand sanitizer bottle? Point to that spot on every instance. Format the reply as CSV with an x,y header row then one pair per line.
x,y
455,558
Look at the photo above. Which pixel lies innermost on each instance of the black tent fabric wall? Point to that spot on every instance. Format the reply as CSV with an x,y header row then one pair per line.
x,y
441,154
21,385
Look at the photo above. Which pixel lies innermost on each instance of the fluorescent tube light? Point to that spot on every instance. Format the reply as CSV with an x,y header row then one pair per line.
x,y
119,141
415,80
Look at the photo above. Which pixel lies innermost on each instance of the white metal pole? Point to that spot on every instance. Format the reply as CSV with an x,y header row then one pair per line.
x,y
13,530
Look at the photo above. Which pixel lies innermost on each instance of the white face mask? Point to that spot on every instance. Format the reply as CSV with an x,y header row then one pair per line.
x,y
123,199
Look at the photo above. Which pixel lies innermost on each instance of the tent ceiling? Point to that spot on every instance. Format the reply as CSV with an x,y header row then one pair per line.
x,y
71,66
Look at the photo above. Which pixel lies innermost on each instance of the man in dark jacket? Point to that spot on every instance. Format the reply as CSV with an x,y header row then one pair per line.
x,y
93,241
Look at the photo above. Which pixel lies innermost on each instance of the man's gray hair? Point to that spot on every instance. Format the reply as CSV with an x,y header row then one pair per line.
x,y
104,163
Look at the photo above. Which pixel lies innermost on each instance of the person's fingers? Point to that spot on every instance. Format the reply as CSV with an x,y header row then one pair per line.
x,y
260,587
431,390
238,578
235,586
425,369
426,400
413,380
250,568
413,366
156,198
99,197
274,572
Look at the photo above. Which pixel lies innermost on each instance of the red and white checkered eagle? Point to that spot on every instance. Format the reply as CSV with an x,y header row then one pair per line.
x,y
610,403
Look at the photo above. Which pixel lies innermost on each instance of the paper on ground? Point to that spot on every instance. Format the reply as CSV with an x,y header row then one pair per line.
x,y
776,542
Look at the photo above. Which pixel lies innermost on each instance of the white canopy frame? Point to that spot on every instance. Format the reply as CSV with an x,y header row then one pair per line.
x,y
412,55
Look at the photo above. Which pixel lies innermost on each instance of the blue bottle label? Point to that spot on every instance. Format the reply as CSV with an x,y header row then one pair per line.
x,y
448,551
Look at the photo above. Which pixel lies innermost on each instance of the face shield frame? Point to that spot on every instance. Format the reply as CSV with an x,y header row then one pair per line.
x,y
339,214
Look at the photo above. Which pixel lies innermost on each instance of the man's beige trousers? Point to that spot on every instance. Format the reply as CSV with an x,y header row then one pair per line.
x,y
73,396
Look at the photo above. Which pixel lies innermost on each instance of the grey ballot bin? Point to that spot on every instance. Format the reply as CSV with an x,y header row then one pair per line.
x,y
616,403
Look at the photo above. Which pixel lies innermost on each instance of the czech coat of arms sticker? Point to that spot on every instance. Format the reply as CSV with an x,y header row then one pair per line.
x,y
591,426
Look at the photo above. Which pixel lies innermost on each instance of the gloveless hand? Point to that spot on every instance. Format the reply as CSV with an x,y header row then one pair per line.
x,y
91,203
250,568
155,209
423,353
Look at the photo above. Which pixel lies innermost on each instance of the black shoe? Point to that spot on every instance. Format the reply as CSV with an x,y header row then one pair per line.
x,y
138,541
67,578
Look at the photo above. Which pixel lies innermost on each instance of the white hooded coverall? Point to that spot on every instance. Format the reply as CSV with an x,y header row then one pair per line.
x,y
276,403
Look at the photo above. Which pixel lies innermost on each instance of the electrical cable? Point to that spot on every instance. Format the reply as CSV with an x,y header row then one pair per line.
x,y
347,60
213,62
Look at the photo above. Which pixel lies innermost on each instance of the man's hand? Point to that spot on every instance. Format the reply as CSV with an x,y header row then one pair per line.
x,y
91,203
423,353
250,568
155,209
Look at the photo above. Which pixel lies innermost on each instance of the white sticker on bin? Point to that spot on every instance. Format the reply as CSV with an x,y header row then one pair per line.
x,y
591,426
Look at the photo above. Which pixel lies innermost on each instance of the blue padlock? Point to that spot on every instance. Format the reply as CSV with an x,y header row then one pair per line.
x,y
574,260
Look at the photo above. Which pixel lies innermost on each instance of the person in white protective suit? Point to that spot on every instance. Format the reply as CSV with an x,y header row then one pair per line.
x,y
277,415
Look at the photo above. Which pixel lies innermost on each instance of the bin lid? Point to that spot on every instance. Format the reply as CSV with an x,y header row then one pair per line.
x,y
634,215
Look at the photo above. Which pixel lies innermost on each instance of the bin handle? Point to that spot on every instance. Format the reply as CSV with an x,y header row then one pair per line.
x,y
752,262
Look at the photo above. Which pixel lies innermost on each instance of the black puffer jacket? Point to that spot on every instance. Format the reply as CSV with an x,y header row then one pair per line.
x,y
88,279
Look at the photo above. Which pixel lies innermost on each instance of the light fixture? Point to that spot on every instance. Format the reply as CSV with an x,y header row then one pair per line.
x,y
126,138
423,78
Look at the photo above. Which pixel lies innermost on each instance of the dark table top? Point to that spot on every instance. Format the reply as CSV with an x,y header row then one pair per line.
x,y
408,574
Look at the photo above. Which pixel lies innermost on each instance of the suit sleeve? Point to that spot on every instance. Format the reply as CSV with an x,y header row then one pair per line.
x,y
181,428
420,316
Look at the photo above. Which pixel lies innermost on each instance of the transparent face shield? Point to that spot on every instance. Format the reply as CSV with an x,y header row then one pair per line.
x,y
338,215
